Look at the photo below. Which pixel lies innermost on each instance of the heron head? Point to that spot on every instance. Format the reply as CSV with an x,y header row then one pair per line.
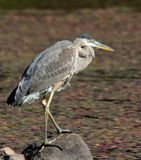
x,y
86,40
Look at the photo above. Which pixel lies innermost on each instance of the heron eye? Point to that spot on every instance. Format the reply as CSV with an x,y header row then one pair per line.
x,y
83,46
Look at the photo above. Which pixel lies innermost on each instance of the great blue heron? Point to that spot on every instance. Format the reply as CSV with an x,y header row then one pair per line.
x,y
52,71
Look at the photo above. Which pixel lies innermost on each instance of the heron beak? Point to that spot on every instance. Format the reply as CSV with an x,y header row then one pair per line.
x,y
99,45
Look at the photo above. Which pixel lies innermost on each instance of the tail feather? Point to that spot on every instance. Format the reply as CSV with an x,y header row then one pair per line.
x,y
11,99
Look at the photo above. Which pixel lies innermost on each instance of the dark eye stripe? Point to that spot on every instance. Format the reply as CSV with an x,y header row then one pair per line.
x,y
84,36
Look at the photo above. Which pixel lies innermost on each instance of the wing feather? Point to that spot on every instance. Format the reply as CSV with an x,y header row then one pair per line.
x,y
49,73
49,67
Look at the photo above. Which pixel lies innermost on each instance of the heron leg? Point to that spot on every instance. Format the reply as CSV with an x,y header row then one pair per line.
x,y
47,104
47,112
59,129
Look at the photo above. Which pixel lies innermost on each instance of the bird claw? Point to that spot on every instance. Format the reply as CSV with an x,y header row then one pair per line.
x,y
49,145
34,149
62,131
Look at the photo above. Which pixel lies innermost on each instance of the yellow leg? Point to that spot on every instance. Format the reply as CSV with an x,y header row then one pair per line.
x,y
46,114
59,129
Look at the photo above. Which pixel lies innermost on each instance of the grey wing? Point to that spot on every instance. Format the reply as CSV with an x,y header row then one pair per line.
x,y
53,69
49,67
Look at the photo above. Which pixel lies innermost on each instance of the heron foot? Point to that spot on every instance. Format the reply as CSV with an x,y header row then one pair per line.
x,y
62,131
34,149
49,145
49,142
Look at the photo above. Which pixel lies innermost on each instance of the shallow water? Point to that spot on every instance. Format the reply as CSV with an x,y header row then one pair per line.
x,y
103,104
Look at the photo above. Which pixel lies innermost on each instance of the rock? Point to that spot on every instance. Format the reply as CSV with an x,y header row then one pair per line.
x,y
7,150
67,147
7,153
12,157
16,157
